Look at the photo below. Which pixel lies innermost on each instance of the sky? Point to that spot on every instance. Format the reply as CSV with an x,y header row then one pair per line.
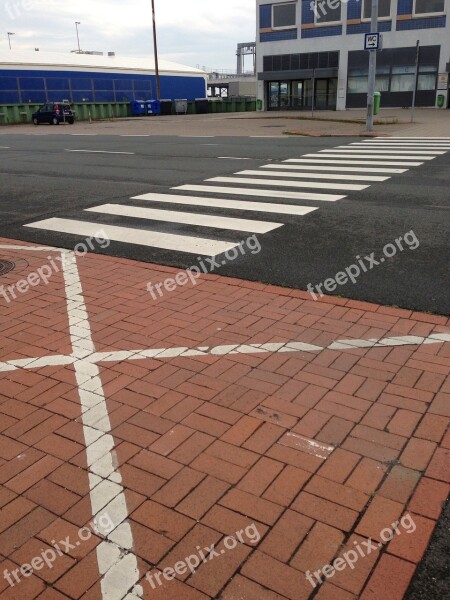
x,y
189,31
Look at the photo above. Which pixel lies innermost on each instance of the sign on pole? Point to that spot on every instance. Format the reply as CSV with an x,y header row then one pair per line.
x,y
372,41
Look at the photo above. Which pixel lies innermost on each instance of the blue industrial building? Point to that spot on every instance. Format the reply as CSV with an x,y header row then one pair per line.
x,y
34,78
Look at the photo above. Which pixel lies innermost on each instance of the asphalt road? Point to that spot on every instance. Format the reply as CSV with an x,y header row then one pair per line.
x,y
44,176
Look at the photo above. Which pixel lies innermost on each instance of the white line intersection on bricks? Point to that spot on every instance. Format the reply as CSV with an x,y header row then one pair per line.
x,y
120,571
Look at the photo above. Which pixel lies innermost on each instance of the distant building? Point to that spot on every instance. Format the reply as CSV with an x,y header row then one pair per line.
x,y
38,77
325,39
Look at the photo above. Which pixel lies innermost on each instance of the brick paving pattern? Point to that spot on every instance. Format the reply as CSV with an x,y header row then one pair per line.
x,y
320,450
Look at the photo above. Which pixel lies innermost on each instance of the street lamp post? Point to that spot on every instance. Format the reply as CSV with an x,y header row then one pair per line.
x,y
372,69
155,50
10,33
78,36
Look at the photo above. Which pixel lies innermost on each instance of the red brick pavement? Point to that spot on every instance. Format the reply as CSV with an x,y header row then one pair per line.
x,y
320,450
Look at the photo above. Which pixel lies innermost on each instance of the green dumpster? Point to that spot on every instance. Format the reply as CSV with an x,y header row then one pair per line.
x,y
376,103
440,100
259,105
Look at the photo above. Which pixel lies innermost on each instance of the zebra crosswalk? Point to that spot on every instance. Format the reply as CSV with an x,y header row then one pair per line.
x,y
202,219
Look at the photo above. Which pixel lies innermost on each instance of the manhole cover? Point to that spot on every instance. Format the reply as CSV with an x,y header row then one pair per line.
x,y
6,266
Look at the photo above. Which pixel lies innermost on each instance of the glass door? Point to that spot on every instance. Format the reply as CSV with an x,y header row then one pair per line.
x,y
297,95
274,95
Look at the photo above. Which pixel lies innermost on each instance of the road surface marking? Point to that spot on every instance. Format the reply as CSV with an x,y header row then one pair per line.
x,y
263,193
395,151
340,154
142,237
338,169
188,218
320,159
223,350
288,183
119,571
235,158
315,175
264,207
98,151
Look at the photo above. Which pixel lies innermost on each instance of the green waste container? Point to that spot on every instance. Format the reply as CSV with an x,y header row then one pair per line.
x,y
440,100
259,105
376,103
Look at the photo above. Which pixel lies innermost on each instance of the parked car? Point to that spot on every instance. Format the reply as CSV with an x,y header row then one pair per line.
x,y
54,113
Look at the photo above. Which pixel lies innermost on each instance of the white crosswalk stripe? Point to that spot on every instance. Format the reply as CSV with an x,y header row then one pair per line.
x,y
256,192
332,176
130,235
395,150
351,168
282,209
201,220
356,154
321,159
336,169
288,183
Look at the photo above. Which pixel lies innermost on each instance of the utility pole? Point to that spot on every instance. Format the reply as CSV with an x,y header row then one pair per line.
x,y
416,79
372,69
155,50
78,36
10,33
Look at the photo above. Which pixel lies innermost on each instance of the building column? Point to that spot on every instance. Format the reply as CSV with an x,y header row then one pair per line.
x,y
341,103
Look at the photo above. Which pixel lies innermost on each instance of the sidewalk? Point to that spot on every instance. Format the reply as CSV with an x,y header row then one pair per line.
x,y
229,408
428,123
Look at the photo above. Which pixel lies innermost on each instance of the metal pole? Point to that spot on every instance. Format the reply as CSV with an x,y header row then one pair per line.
x,y
313,92
10,33
372,69
416,79
78,36
155,50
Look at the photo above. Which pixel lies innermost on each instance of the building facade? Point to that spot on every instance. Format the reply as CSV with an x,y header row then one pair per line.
x,y
318,45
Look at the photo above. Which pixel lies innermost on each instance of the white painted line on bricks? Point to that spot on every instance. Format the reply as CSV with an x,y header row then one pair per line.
x,y
142,237
78,134
309,167
339,154
343,149
262,193
323,159
264,207
288,183
97,151
234,158
4,147
308,175
119,571
201,220
224,350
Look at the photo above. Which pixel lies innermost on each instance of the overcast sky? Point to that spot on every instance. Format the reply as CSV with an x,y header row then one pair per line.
x,y
193,32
